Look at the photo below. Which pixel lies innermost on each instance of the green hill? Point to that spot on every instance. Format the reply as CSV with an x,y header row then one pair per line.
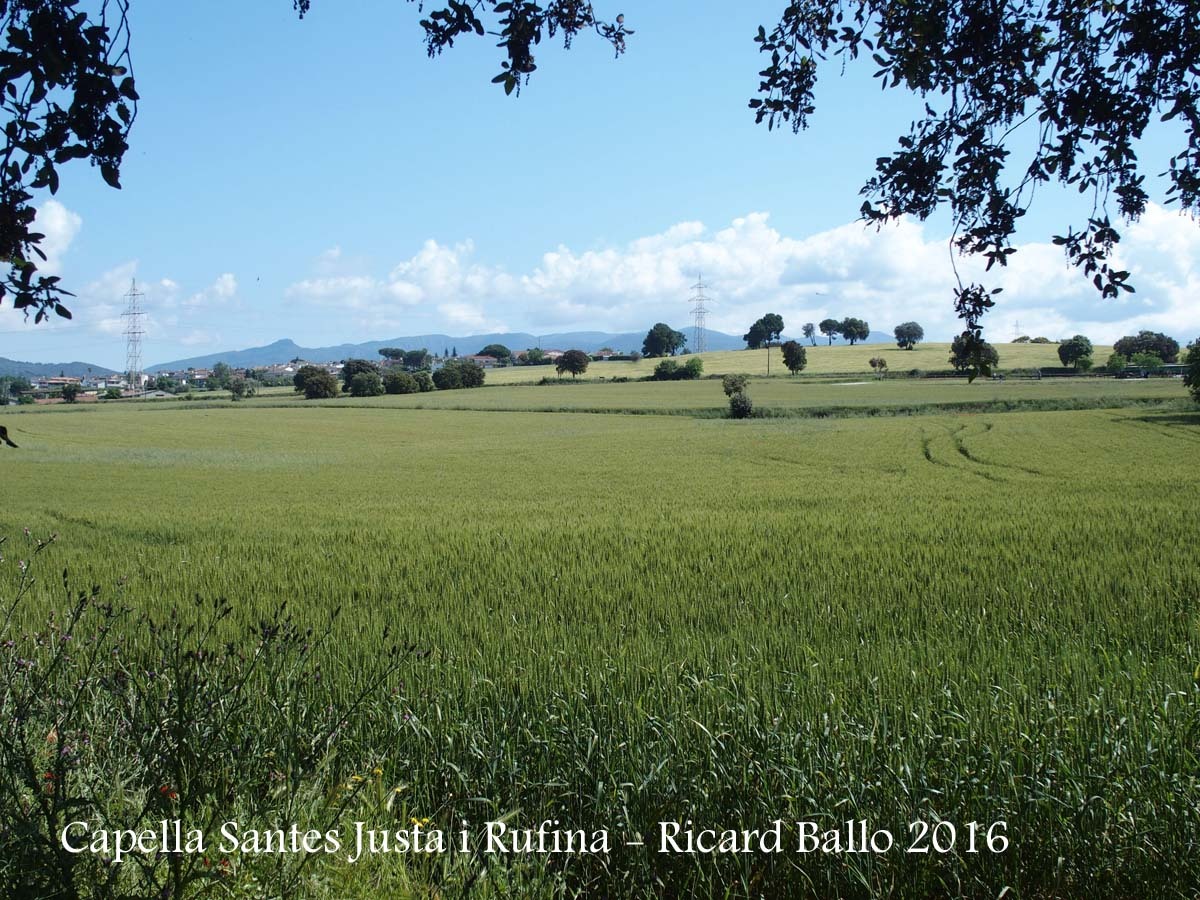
x,y
822,360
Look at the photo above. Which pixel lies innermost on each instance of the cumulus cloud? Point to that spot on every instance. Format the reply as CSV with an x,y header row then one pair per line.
x,y
437,277
885,276
200,337
222,291
60,226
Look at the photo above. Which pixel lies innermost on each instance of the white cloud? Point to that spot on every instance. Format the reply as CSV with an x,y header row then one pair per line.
x,y
200,337
225,286
887,276
438,277
60,226
222,290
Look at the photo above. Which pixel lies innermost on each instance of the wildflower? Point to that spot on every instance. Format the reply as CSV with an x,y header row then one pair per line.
x,y
167,792
377,771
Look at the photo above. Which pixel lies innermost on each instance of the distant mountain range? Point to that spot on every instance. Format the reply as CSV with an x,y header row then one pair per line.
x,y
285,350
20,369
588,341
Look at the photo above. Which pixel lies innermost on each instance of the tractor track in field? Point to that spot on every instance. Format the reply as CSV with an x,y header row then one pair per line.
x,y
956,437
1175,432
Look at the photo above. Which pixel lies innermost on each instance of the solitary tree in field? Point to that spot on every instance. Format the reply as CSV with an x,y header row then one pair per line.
x,y
662,340
764,332
810,332
855,330
879,365
756,336
573,361
831,328
908,335
795,357
973,360
70,392
1072,352
734,385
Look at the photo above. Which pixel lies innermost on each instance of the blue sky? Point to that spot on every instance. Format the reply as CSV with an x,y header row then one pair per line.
x,y
325,181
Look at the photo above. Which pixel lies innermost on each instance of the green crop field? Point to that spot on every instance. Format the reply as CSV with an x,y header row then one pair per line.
x,y
823,359
787,395
618,620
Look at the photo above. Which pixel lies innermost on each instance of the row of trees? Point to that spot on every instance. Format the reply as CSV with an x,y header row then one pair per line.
x,y
769,329
1147,350
363,378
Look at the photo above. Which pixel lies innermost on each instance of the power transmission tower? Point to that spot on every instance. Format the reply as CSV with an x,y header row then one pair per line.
x,y
133,336
699,312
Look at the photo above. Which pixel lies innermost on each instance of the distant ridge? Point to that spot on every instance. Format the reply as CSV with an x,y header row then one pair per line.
x,y
77,369
589,341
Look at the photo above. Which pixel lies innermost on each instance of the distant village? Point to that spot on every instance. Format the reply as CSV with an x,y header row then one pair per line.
x,y
169,384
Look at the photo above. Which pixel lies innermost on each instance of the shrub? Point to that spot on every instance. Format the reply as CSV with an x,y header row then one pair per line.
x,y
366,384
458,374
670,370
398,381
300,379
1116,363
740,406
320,385
665,370
354,367
734,384
1151,362
240,388
190,719
424,381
